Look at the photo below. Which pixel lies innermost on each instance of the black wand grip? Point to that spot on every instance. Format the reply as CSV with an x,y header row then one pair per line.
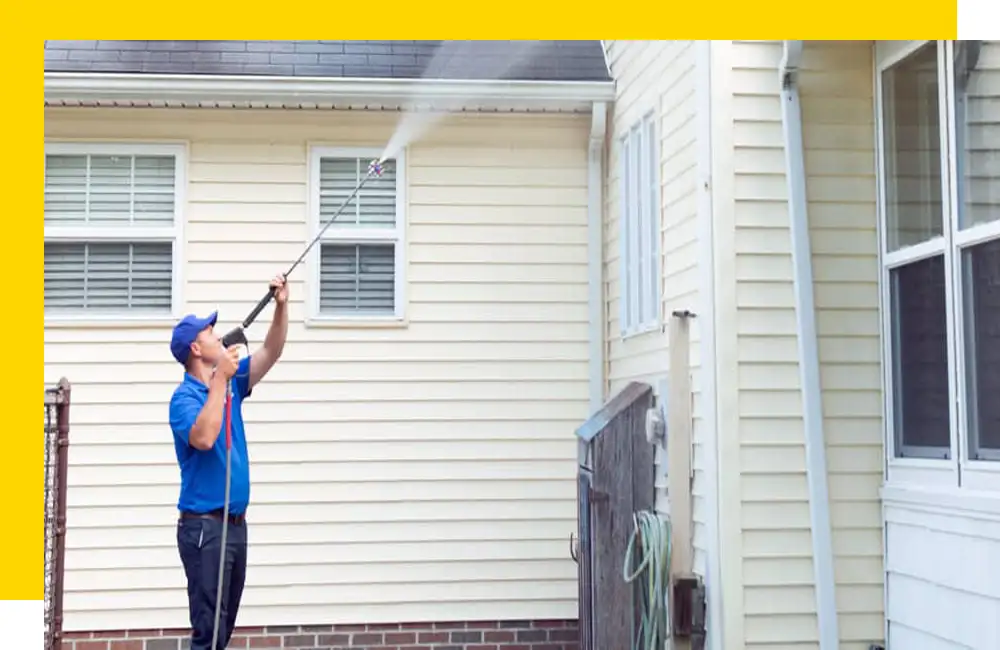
x,y
259,308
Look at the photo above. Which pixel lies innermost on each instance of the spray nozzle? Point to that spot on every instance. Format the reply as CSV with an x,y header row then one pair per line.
x,y
375,168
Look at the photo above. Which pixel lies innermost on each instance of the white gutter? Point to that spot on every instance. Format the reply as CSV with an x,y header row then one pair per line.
x,y
72,87
595,251
805,312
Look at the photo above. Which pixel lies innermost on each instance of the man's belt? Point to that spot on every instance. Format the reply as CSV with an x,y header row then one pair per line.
x,y
235,520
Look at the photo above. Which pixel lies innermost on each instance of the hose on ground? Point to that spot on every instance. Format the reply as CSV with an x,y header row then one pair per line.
x,y
647,568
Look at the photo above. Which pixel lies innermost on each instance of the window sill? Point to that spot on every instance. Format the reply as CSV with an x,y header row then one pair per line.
x,y
642,330
109,322
333,322
948,500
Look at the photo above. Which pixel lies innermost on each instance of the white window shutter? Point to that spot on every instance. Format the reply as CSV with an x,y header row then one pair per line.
x,y
374,206
357,279
108,276
109,190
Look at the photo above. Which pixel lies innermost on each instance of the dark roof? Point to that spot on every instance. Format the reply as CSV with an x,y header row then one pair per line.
x,y
490,60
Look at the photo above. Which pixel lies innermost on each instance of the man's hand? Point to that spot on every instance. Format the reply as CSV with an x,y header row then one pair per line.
x,y
280,285
229,362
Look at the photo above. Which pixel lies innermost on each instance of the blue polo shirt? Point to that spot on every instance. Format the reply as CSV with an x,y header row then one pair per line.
x,y
203,473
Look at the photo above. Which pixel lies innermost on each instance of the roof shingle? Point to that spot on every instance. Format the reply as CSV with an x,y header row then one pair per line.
x,y
458,60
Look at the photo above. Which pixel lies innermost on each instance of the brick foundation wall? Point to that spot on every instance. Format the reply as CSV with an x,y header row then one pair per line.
x,y
478,635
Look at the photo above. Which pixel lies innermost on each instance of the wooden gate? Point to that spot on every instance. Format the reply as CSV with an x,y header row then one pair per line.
x,y
615,480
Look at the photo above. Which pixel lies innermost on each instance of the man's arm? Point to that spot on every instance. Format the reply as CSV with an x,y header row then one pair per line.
x,y
264,359
198,425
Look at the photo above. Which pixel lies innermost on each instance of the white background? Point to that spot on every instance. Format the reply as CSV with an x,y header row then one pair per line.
x,y
21,621
978,19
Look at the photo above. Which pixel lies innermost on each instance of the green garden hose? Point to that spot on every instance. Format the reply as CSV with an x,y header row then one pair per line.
x,y
650,575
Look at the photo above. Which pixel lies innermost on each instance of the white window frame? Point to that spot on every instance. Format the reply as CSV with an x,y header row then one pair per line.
x,y
355,235
640,271
130,234
959,470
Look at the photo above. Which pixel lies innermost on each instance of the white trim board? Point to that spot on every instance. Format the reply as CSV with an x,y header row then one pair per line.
x,y
105,89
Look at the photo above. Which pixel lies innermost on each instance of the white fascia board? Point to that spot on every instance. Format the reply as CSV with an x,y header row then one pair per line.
x,y
100,88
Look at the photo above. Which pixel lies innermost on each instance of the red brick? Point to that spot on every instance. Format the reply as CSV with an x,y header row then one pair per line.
x,y
378,627
66,645
237,642
482,625
498,636
126,645
248,631
265,642
91,645
400,638
450,625
548,624
350,628
432,637
366,638
482,647
77,635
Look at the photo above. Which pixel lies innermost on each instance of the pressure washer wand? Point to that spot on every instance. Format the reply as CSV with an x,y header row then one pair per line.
x,y
237,335
225,512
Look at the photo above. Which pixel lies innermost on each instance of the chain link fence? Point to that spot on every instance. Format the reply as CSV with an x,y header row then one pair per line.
x,y
56,467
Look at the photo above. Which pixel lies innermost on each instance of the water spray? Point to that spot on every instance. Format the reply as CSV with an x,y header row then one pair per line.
x,y
237,336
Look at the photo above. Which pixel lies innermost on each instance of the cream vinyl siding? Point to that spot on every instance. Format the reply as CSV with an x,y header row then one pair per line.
x,y
658,76
403,473
837,107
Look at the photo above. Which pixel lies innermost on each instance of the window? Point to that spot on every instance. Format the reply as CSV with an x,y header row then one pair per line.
x,y
640,227
112,224
940,207
359,272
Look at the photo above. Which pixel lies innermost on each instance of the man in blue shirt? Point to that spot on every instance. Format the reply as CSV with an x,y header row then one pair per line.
x,y
197,420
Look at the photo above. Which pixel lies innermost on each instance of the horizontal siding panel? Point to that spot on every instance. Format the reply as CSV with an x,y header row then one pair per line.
x,y
388,572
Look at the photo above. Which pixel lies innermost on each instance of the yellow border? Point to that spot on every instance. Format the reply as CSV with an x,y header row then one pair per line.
x,y
845,19
21,471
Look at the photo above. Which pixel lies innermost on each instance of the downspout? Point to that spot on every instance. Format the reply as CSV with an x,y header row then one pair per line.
x,y
595,252
805,317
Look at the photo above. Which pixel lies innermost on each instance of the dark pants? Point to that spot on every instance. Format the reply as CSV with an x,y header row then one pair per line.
x,y
199,541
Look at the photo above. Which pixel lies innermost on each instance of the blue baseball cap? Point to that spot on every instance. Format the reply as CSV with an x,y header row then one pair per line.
x,y
186,331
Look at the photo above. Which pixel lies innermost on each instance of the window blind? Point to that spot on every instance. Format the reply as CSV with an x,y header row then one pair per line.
x,y
375,204
134,277
357,279
83,189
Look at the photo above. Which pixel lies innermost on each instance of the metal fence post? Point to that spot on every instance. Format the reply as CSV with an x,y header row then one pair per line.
x,y
57,402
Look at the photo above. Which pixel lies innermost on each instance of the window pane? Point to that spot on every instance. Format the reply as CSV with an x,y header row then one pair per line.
x,y
103,189
977,113
635,228
374,205
358,279
108,277
625,232
653,222
981,271
912,144
920,358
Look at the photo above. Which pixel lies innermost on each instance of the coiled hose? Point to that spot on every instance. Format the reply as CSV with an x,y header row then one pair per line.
x,y
650,577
